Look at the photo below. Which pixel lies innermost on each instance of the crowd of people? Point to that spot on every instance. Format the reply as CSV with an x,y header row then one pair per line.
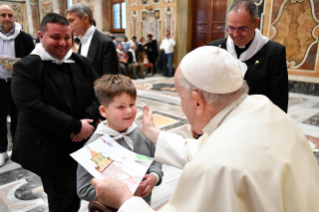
x,y
247,153
145,52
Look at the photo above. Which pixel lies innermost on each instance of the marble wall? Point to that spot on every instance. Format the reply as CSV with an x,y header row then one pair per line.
x,y
151,17
295,24
29,13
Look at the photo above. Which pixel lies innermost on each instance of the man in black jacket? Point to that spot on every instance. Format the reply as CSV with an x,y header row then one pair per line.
x,y
53,90
14,44
263,62
151,49
94,45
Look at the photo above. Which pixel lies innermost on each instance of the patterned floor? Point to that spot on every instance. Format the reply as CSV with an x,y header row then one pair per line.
x,y
20,190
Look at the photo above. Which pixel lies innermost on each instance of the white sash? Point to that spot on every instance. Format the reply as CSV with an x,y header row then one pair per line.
x,y
258,43
102,128
45,56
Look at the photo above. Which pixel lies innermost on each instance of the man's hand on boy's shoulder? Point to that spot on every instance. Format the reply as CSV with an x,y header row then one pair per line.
x,y
146,186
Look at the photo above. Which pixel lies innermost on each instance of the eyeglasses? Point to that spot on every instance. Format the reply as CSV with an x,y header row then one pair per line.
x,y
241,30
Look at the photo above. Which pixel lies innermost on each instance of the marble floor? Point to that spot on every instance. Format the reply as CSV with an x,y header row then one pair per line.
x,y
21,190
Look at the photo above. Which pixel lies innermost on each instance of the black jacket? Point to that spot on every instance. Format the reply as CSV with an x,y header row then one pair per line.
x,y
42,141
23,45
267,72
103,54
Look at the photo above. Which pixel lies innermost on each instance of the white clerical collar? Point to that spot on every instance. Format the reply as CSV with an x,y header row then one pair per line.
x,y
45,56
212,125
87,34
13,33
102,128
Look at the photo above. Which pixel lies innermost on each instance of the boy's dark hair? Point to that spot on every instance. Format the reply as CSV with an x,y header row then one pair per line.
x,y
150,36
52,18
134,37
108,87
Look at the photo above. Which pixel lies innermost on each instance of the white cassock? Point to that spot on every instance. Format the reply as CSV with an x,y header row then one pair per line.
x,y
255,159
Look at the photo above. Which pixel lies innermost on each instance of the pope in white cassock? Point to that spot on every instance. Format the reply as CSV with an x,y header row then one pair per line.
x,y
254,158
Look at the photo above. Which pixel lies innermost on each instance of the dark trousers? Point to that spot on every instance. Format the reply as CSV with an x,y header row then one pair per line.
x,y
168,67
151,58
7,107
61,190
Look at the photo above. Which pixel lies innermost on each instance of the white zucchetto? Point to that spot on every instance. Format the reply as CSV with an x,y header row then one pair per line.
x,y
212,69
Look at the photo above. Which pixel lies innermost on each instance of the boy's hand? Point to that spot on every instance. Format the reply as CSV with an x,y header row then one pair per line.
x,y
146,186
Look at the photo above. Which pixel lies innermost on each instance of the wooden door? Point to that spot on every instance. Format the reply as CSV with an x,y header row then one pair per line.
x,y
208,21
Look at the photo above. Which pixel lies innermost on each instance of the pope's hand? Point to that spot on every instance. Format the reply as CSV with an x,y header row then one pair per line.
x,y
149,129
111,192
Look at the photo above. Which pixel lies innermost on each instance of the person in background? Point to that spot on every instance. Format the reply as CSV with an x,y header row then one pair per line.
x,y
167,46
125,43
151,50
134,40
141,45
137,67
125,66
96,46
264,61
14,43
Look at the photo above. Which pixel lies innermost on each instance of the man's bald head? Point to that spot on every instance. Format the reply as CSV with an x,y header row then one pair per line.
x,y
6,18
4,6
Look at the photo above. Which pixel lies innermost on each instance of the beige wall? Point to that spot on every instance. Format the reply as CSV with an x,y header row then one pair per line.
x,y
296,26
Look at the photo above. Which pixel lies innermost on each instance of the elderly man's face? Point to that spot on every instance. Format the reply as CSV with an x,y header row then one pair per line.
x,y
243,27
57,40
6,18
78,25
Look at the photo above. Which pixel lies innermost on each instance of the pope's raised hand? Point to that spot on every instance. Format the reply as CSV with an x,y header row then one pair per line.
x,y
149,129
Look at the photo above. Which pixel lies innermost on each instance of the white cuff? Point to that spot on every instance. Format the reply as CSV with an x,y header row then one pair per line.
x,y
156,175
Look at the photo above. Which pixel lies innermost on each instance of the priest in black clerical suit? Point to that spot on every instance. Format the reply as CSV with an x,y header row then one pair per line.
x,y
53,90
263,62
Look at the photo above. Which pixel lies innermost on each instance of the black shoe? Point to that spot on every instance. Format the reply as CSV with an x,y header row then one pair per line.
x,y
134,78
140,77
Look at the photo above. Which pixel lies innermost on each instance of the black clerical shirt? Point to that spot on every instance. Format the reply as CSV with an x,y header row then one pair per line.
x,y
239,51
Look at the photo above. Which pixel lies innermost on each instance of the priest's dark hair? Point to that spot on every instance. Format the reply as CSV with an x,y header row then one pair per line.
x,y
52,18
248,5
